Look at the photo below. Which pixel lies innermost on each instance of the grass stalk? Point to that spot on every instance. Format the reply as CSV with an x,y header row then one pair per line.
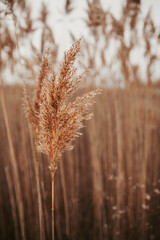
x,y
40,210
54,122
16,178
37,175
52,207
13,203
66,209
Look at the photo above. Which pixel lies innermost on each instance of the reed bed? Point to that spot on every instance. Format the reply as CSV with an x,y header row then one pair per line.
x,y
110,182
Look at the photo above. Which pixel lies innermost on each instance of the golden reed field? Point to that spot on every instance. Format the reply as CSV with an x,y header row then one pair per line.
x,y
108,186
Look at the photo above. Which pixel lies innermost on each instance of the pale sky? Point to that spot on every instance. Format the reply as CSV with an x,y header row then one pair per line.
x,y
62,24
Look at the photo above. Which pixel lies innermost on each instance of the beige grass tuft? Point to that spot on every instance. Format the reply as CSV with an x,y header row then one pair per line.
x,y
55,122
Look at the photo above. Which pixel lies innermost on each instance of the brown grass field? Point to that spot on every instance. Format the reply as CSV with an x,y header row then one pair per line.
x,y
108,187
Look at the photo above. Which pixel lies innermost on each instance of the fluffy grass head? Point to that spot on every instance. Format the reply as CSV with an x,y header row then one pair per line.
x,y
56,121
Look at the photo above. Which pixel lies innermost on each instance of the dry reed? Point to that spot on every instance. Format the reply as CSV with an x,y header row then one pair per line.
x,y
55,122
13,161
115,205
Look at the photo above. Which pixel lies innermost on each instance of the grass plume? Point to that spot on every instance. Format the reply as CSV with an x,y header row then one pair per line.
x,y
54,122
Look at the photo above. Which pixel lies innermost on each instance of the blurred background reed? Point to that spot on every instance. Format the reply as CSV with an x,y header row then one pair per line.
x,y
108,187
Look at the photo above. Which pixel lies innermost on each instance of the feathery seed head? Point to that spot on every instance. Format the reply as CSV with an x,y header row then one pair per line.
x,y
56,123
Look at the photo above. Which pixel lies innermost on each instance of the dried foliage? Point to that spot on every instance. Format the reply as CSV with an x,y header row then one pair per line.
x,y
111,177
126,35
17,28
68,6
55,122
96,14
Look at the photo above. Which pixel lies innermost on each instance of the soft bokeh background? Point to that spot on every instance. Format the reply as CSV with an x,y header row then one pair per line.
x,y
73,23
64,26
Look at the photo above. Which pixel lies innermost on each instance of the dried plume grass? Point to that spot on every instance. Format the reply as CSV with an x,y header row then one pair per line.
x,y
54,122
96,14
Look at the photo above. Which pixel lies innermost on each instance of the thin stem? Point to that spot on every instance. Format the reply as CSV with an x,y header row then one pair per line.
x,y
37,175
39,197
65,197
13,202
52,207
16,177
